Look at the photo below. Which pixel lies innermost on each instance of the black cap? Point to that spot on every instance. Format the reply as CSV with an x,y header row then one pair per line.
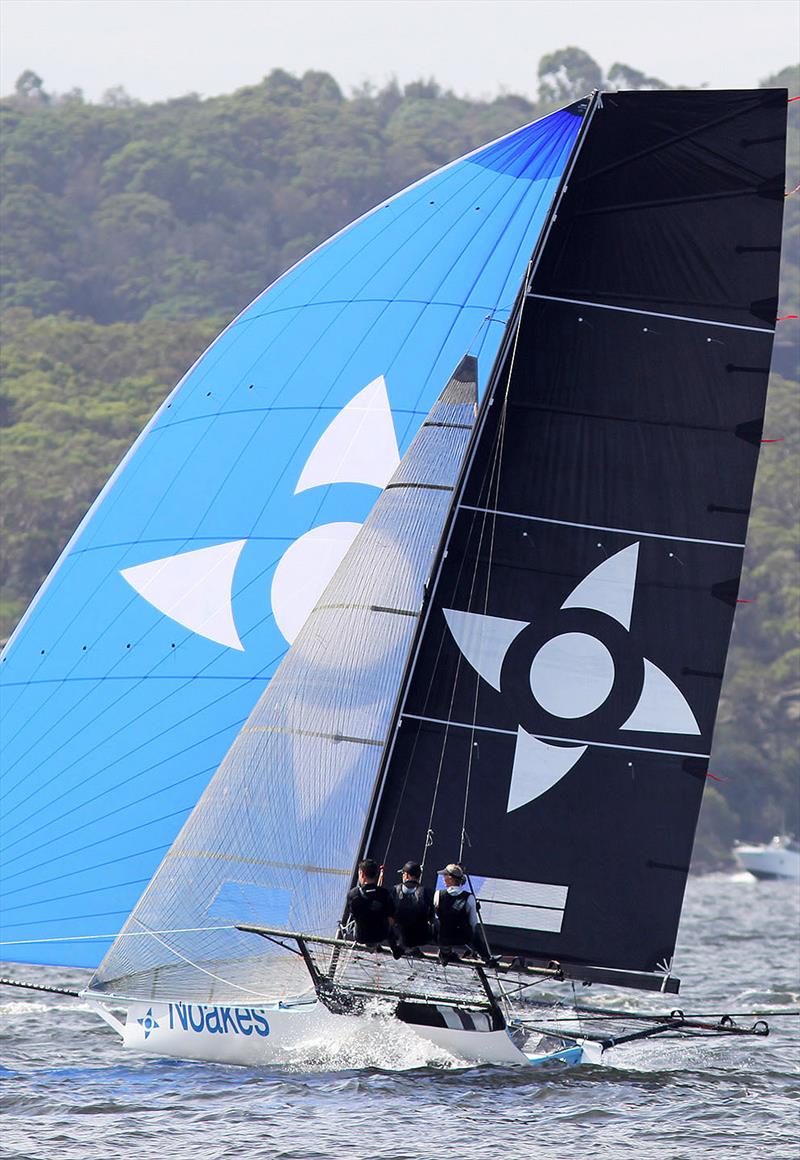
x,y
413,869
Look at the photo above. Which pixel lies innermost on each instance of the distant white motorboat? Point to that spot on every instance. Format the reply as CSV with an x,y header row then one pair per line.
x,y
779,858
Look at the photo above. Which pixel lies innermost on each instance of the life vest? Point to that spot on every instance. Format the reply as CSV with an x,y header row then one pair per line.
x,y
454,925
413,910
371,906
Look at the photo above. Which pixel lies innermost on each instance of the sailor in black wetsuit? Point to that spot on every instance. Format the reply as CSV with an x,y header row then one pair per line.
x,y
413,908
457,923
372,908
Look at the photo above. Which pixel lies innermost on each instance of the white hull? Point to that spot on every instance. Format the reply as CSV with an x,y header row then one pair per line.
x,y
286,1033
772,861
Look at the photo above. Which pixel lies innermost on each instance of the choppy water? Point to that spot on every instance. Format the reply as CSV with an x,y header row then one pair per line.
x,y
68,1091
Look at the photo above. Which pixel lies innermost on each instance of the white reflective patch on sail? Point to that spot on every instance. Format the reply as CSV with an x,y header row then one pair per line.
x,y
522,905
538,766
194,589
304,571
609,587
662,707
358,446
484,640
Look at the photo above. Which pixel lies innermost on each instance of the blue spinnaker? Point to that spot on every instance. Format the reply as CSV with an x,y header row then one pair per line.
x,y
167,613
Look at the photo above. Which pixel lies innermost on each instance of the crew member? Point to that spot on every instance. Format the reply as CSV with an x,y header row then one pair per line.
x,y
413,908
372,907
457,922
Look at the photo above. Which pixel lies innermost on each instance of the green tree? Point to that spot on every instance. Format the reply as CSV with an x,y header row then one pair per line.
x,y
567,75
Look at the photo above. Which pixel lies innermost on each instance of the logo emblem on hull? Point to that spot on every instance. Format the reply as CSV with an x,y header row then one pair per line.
x,y
148,1023
571,675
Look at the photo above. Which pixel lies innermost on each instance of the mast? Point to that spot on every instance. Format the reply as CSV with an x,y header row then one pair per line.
x,y
590,104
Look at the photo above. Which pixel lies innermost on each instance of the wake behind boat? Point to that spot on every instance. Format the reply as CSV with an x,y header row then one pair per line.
x,y
517,662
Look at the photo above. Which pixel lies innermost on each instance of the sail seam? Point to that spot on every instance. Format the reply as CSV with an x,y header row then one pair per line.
x,y
550,737
652,313
602,528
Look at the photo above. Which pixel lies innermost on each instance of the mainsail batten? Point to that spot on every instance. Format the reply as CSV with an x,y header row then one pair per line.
x,y
581,762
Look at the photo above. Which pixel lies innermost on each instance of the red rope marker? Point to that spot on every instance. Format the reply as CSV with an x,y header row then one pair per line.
x,y
752,601
783,317
780,440
714,777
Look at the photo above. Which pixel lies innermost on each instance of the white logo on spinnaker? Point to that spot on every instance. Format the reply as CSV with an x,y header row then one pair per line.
x,y
358,446
195,588
571,675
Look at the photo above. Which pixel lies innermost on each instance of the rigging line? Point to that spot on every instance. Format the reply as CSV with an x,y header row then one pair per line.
x,y
197,967
446,733
493,482
415,744
569,151
494,485
116,935
519,297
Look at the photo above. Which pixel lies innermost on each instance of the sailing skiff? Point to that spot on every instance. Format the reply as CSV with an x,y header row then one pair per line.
x,y
550,359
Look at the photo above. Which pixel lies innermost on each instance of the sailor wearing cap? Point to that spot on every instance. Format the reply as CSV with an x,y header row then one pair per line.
x,y
456,911
413,908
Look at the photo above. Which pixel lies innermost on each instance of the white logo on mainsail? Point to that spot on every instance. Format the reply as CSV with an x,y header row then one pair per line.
x,y
571,675
195,588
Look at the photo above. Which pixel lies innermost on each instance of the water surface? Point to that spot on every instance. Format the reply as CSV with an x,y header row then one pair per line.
x,y
68,1090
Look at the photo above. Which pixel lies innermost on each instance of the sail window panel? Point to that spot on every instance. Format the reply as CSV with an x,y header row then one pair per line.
x,y
520,893
699,204
521,917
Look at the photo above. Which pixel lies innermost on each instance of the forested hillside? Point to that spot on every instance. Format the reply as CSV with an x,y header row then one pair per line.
x,y
133,232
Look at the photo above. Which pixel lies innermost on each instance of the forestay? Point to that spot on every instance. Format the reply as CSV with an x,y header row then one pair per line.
x,y
556,730
274,836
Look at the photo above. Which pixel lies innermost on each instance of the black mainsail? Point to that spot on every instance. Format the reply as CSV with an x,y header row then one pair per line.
x,y
555,725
